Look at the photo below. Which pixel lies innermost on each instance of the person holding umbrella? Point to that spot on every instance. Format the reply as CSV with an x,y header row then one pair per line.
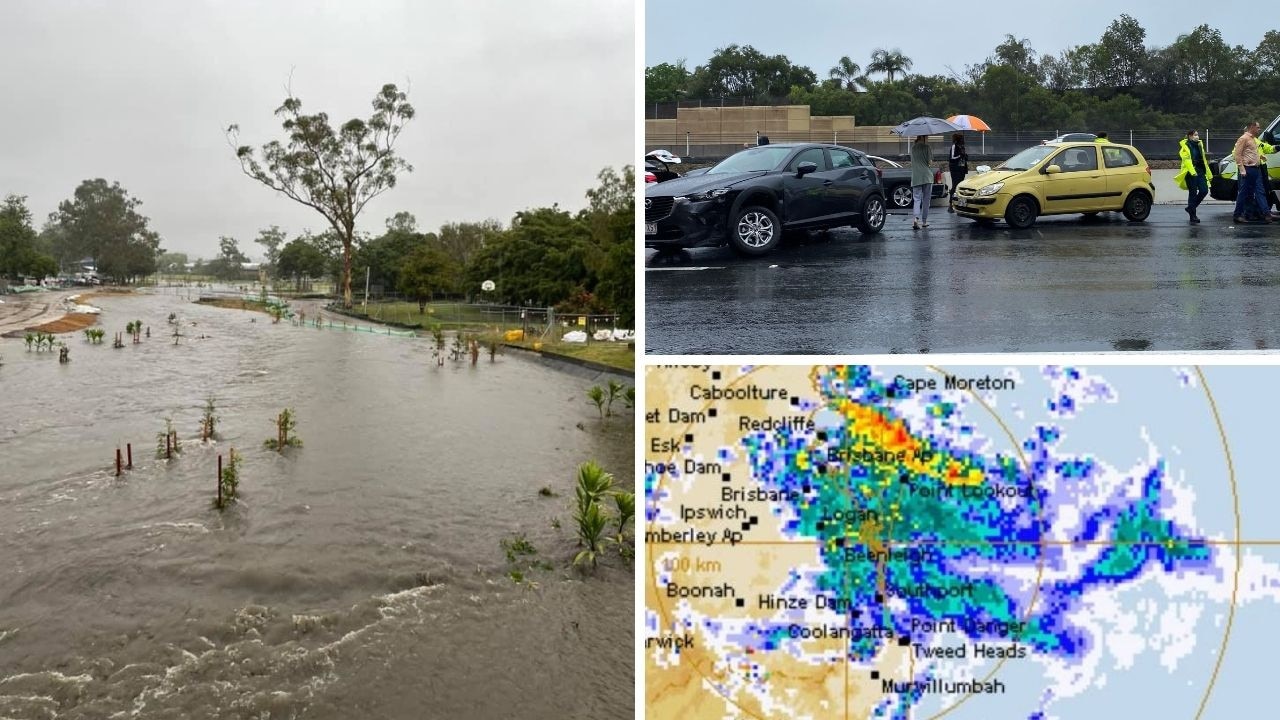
x,y
921,181
958,164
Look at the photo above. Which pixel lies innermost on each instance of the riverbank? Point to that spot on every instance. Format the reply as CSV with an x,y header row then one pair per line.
x,y
47,312
612,357
235,303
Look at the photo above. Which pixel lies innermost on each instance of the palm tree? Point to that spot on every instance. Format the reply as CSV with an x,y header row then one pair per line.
x,y
847,74
889,62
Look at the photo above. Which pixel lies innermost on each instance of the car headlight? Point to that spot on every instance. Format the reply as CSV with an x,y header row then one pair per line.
x,y
991,189
708,195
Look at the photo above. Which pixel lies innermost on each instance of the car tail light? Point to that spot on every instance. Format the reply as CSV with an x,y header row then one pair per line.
x,y
937,177
1148,169
650,177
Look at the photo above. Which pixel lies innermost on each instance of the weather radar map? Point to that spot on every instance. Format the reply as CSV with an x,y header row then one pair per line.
x,y
1038,543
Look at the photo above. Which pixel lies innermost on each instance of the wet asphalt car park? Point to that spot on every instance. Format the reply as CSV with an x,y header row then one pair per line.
x,y
1066,284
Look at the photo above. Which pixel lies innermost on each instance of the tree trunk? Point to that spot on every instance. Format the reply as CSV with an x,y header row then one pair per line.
x,y
347,239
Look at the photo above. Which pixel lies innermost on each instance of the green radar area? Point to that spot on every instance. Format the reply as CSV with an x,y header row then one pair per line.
x,y
915,548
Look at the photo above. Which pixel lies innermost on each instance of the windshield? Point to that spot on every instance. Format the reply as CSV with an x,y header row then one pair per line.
x,y
756,159
1025,159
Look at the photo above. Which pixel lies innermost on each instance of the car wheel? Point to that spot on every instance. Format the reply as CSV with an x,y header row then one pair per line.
x,y
755,231
873,216
1021,212
900,196
1137,206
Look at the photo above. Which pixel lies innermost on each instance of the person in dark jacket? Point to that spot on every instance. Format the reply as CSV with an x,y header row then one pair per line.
x,y
958,164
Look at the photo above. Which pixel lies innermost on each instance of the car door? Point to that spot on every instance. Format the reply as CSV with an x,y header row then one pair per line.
x,y
851,177
1123,172
804,197
1080,184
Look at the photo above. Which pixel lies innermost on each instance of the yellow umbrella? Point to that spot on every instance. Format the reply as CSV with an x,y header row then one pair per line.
x,y
972,122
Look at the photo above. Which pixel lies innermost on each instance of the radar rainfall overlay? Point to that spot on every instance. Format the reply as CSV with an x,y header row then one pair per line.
x,y
973,543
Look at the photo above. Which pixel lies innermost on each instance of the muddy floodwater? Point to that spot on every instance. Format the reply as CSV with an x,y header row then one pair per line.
x,y
358,577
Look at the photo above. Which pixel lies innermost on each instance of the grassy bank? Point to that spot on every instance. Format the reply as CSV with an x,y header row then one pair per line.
x,y
613,354
235,304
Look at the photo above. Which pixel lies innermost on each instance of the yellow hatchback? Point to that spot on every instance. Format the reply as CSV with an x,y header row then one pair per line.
x,y
1058,179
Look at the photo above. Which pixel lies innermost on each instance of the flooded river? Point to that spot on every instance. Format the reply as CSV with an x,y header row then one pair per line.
x,y
359,576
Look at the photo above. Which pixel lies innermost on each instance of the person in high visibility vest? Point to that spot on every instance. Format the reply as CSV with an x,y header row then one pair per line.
x,y
1265,149
1196,172
1102,138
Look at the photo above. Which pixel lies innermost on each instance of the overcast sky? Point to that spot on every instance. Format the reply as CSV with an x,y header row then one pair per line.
x,y
519,104
933,34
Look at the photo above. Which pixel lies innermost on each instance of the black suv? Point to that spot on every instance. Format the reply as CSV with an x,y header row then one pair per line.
x,y
752,196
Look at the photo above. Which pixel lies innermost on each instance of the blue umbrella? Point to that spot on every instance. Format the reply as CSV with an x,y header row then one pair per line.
x,y
925,126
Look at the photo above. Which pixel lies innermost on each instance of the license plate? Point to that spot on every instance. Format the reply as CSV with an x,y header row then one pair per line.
x,y
651,228
961,202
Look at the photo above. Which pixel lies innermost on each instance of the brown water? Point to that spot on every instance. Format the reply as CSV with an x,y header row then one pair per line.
x,y
359,576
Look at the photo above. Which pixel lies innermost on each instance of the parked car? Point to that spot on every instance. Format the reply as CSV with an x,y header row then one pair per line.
x,y
896,180
1224,182
657,166
749,199
1071,137
1081,177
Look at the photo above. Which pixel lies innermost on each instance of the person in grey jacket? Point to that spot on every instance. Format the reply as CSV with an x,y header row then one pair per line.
x,y
921,181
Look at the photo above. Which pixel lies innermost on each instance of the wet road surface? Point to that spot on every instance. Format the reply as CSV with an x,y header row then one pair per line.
x,y
1065,284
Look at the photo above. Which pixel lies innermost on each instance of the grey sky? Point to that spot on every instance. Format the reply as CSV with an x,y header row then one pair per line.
x,y
518,104
933,34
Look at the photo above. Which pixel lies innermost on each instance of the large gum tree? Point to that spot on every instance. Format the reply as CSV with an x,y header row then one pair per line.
x,y
334,172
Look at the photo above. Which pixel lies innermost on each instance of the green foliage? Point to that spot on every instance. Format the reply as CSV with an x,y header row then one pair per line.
x,y
163,442
666,82
593,484
41,340
227,266
286,422
615,388
1117,82
890,62
625,503
425,272
301,258
437,336
333,171
517,547
591,526
847,74
101,221
596,395
209,422
743,71
629,397
20,252
271,239
230,478
521,553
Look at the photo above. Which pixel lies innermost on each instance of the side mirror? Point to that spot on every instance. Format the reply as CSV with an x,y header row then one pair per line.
x,y
1053,170
805,168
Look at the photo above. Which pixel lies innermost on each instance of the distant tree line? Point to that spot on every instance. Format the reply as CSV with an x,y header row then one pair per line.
x,y
1118,82
99,223
577,262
